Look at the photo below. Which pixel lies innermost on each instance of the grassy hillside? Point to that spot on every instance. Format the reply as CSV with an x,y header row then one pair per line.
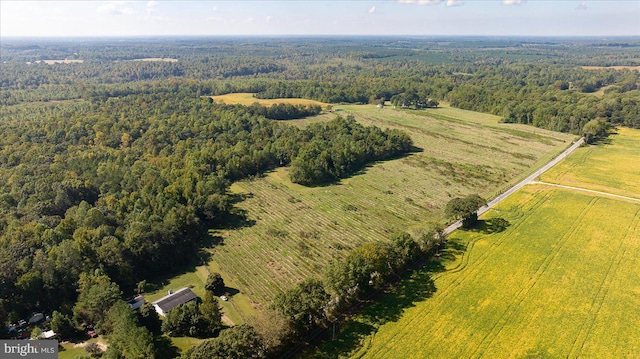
x,y
559,281
294,231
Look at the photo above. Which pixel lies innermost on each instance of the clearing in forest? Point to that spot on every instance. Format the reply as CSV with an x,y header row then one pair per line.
x,y
247,99
294,231
157,59
557,279
636,68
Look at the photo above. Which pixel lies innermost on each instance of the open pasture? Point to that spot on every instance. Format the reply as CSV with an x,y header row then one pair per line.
x,y
612,167
248,99
294,231
559,281
233,310
53,62
619,68
157,59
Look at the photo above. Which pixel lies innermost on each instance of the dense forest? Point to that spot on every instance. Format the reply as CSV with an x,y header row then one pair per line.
x,y
112,170
129,186
487,75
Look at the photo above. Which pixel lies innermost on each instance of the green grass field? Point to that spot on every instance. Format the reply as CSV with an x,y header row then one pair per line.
x,y
560,281
234,310
73,350
297,230
248,99
613,167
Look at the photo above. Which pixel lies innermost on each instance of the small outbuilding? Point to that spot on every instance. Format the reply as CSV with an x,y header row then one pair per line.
x,y
36,318
136,302
172,300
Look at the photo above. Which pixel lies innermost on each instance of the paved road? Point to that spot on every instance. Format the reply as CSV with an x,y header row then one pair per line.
x,y
521,184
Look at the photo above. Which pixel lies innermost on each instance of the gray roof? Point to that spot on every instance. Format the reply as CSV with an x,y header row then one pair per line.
x,y
171,301
135,299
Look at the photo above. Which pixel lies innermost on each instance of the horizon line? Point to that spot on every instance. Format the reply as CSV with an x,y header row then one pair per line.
x,y
308,35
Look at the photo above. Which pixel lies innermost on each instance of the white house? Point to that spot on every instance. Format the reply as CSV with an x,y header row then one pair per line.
x,y
172,300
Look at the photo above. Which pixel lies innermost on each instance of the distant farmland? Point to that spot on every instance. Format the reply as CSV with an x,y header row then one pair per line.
x,y
294,231
636,68
613,167
248,99
560,281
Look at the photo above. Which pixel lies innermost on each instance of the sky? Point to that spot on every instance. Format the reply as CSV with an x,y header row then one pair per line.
x,y
319,17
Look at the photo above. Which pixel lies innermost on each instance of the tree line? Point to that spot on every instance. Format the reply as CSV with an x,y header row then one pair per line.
x,y
541,84
314,303
284,111
129,186
112,170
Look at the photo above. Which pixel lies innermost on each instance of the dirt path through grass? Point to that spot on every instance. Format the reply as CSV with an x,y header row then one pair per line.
x,y
587,190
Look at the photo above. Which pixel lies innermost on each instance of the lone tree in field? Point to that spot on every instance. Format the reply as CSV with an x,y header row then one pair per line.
x,y
215,284
595,130
465,208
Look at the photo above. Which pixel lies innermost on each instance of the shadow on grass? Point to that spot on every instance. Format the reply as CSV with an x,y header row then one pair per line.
x,y
230,292
200,254
386,307
165,348
164,278
234,219
449,251
492,225
363,169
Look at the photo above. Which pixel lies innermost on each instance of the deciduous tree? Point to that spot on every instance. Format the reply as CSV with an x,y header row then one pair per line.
x,y
465,208
303,305
97,293
239,342
215,284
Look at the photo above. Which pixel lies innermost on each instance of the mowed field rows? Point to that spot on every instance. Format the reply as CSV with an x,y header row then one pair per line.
x,y
296,231
562,280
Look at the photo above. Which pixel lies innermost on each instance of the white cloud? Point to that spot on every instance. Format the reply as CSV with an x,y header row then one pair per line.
x,y
109,9
151,7
454,3
268,18
420,2
249,20
372,10
113,8
582,6
513,2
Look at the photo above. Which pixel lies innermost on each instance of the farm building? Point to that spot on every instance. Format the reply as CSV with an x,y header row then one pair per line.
x,y
172,300
136,302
